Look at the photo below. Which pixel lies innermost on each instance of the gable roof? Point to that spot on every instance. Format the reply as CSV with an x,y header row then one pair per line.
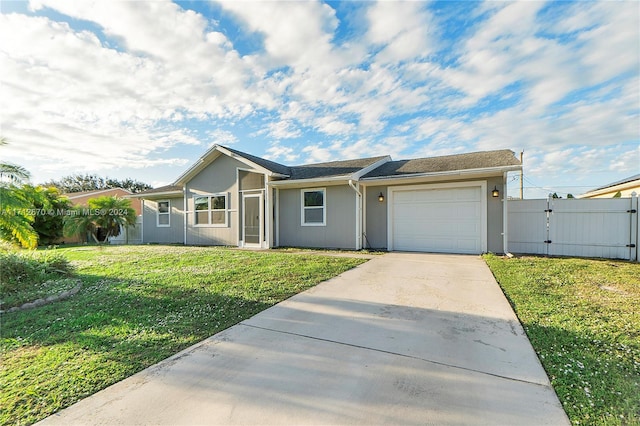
x,y
216,151
447,163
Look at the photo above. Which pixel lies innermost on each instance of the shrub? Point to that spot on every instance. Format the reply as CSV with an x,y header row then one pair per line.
x,y
23,269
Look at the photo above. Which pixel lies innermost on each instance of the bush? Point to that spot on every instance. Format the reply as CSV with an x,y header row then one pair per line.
x,y
19,270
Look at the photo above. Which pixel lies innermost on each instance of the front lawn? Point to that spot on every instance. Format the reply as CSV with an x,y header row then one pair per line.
x,y
138,305
583,319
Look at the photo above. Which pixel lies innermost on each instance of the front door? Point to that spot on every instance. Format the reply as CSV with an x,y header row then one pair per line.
x,y
252,220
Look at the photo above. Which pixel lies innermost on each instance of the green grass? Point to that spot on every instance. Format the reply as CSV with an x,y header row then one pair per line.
x,y
138,305
583,319
28,275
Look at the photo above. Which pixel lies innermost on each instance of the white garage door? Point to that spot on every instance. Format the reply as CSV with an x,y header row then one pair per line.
x,y
444,220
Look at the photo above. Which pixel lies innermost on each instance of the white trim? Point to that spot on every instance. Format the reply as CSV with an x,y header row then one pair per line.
x,y
277,207
267,216
483,206
505,215
142,221
210,156
210,210
324,206
260,220
328,180
364,171
168,213
185,216
154,195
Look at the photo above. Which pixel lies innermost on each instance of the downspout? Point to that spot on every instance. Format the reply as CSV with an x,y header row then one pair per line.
x,y
358,214
184,213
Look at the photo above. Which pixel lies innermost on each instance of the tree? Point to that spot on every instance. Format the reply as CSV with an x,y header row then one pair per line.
x,y
617,195
104,217
16,205
52,208
570,196
87,182
11,172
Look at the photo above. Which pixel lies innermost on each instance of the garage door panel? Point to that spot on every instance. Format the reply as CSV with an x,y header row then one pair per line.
x,y
438,220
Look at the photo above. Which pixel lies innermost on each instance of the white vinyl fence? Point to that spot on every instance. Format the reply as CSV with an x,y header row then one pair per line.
x,y
130,235
602,227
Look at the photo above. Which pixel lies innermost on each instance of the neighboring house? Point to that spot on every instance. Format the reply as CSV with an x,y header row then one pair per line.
x,y
440,204
624,186
81,199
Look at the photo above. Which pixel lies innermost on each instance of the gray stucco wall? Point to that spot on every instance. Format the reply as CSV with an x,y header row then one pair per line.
x,y
495,216
376,216
152,233
376,219
340,229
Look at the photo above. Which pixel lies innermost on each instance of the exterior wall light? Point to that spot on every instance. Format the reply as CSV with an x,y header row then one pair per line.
x,y
381,198
495,193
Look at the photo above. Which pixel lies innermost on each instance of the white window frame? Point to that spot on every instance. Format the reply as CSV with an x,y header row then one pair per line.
x,y
303,208
210,210
167,213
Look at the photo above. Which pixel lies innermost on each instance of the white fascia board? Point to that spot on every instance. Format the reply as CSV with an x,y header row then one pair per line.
x,y
211,155
250,163
297,183
155,195
202,162
452,173
356,176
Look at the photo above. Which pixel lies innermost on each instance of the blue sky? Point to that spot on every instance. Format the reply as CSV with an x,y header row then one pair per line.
x,y
141,89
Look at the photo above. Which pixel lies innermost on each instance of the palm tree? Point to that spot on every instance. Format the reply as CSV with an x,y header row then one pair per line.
x,y
16,204
12,172
108,214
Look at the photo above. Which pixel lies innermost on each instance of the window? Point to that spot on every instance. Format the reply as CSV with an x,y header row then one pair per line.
x,y
210,209
163,214
314,212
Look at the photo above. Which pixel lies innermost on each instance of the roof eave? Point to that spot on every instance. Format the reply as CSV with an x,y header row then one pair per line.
x,y
155,194
312,181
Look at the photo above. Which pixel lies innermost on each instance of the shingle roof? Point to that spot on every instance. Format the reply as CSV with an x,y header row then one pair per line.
x,y
161,190
332,169
267,164
474,160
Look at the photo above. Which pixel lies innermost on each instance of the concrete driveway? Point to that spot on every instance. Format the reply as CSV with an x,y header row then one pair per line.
x,y
403,339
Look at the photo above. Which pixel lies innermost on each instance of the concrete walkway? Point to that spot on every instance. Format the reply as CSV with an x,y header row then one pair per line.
x,y
403,339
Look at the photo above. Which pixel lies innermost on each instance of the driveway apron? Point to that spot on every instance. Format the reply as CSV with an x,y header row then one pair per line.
x,y
405,338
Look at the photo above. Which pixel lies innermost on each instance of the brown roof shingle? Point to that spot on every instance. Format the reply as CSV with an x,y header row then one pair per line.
x,y
473,160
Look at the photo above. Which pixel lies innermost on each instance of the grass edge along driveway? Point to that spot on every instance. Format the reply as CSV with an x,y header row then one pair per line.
x,y
138,305
582,317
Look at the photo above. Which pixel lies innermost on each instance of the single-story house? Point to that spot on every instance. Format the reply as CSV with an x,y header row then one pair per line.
x,y
449,204
625,186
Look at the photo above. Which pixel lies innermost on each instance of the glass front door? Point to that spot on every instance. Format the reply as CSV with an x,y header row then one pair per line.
x,y
252,220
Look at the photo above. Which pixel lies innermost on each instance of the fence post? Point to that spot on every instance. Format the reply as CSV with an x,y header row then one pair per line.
x,y
549,210
634,217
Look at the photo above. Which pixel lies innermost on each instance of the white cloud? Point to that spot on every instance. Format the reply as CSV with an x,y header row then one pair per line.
x,y
277,152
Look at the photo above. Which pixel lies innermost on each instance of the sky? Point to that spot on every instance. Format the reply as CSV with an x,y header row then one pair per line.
x,y
141,89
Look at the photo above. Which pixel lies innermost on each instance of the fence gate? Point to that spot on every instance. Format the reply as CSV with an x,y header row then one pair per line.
x,y
606,228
